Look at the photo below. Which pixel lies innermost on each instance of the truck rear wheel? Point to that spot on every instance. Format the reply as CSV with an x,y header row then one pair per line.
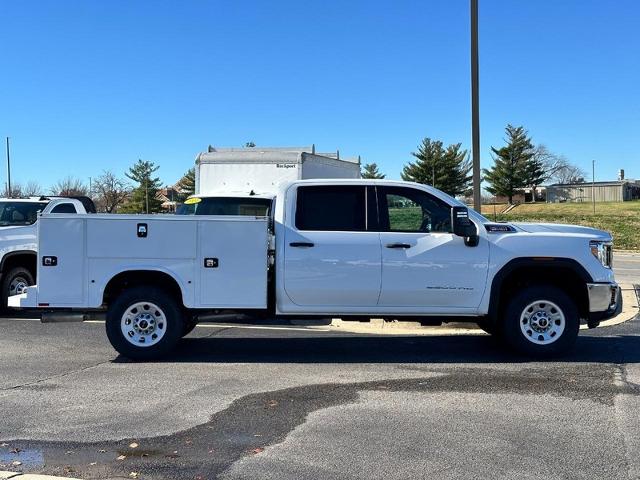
x,y
541,321
144,323
14,282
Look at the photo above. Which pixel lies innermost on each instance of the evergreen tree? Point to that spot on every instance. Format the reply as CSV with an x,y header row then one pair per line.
x,y
144,197
444,168
455,178
187,184
534,174
370,170
513,168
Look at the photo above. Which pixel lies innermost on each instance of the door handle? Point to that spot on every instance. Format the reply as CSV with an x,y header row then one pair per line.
x,y
398,245
301,244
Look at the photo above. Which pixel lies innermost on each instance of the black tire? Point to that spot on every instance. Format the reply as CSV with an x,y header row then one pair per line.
x,y
9,284
170,326
547,297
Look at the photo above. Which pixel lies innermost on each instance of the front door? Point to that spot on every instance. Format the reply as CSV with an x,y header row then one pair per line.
x,y
424,264
332,258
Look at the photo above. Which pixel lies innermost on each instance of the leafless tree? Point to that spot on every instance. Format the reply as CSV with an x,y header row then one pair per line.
x,y
110,192
69,186
570,174
16,191
557,168
32,188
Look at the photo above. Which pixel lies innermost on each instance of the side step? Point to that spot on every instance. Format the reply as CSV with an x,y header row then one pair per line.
x,y
65,317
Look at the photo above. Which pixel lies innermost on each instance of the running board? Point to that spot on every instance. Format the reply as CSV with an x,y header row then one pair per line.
x,y
66,317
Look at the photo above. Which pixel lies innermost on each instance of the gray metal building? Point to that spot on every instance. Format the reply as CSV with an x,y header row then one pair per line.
x,y
616,191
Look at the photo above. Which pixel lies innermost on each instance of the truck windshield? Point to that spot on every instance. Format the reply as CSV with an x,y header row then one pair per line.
x,y
227,206
19,213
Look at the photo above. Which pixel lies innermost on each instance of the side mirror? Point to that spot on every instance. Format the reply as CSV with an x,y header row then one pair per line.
x,y
463,226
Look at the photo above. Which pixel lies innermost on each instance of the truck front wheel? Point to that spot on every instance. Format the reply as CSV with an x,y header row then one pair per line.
x,y
144,323
14,282
541,321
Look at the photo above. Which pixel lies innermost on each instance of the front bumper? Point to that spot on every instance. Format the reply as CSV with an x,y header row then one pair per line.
x,y
605,301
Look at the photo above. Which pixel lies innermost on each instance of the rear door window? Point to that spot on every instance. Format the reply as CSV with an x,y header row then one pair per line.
x,y
336,208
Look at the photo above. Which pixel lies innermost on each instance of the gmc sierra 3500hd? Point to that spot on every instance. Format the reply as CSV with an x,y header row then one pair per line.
x,y
341,248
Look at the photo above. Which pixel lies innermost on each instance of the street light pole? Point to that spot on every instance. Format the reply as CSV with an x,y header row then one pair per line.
x,y
8,171
475,108
593,184
433,174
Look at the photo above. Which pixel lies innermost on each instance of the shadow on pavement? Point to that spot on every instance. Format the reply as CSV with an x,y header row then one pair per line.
x,y
396,349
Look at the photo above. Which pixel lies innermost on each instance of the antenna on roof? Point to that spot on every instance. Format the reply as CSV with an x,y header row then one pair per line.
x,y
313,148
338,154
210,149
358,159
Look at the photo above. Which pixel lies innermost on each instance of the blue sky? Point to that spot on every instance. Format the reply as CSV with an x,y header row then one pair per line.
x,y
92,85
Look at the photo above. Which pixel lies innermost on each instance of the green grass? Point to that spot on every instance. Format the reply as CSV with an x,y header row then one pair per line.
x,y
622,219
408,218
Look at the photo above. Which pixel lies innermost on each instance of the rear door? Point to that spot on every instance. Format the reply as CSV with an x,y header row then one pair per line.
x,y
424,265
332,250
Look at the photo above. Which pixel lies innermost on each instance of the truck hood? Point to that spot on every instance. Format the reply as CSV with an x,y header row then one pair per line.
x,y
17,234
561,228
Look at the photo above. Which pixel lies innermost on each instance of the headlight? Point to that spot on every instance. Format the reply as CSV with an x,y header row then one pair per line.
x,y
603,251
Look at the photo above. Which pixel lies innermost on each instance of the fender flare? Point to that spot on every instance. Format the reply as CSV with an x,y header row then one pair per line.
x,y
14,253
527,262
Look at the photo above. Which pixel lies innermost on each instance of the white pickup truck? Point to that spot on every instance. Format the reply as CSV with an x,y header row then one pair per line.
x,y
340,248
18,240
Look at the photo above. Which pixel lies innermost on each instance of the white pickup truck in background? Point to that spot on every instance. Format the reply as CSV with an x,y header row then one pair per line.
x,y
340,248
18,241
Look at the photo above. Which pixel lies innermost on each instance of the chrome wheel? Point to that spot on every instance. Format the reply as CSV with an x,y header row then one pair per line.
x,y
542,322
18,285
143,324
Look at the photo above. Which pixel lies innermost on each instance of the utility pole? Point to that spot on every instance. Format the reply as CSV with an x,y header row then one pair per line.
x,y
475,108
146,194
593,184
8,171
433,174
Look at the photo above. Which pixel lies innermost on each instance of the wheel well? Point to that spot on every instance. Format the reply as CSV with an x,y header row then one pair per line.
x,y
26,260
564,277
134,278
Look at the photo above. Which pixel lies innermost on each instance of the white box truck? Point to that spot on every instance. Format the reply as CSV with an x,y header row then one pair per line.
x,y
262,169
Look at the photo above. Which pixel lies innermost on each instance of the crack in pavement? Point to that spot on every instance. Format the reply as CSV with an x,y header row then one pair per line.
x,y
54,377
253,422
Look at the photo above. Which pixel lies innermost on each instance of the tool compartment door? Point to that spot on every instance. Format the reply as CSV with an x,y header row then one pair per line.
x,y
233,260
61,260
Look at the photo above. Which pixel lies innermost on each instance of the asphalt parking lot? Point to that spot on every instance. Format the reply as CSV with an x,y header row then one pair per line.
x,y
287,402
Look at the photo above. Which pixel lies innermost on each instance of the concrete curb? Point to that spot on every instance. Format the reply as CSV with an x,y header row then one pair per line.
x,y
4,475
630,301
